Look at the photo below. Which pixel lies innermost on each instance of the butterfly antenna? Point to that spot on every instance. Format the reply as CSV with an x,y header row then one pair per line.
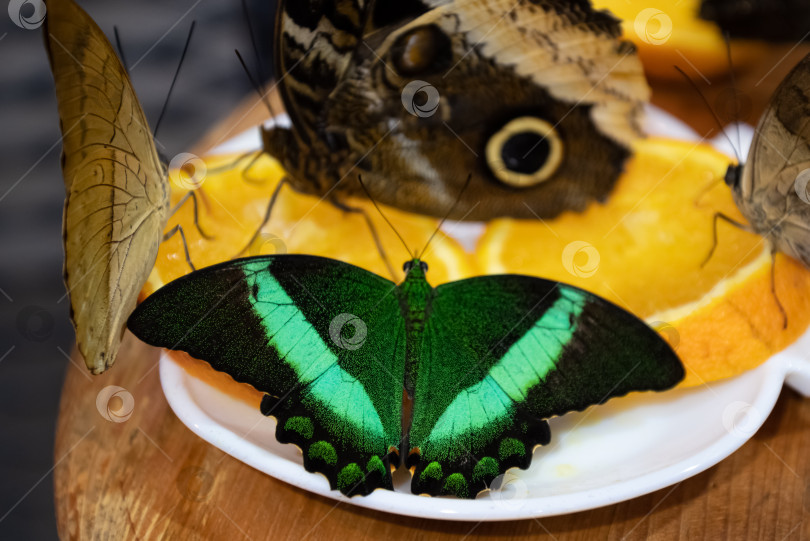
x,y
255,84
712,111
254,43
446,216
376,206
727,37
120,49
174,79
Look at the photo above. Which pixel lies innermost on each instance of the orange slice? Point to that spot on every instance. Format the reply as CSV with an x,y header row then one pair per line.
x,y
672,33
231,209
644,249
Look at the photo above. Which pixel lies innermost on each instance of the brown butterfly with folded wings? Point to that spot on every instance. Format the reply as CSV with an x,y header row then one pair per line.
x,y
771,189
117,192
539,100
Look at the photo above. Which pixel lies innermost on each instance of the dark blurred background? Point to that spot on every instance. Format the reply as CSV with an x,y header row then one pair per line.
x,y
35,334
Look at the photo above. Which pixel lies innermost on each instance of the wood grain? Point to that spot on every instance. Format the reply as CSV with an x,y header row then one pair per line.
x,y
150,477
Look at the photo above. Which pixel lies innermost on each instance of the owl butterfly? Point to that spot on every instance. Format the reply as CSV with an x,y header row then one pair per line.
x,y
117,194
771,189
539,100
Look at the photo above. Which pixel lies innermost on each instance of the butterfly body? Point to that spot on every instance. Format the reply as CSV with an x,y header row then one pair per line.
x,y
457,381
414,295
771,189
538,100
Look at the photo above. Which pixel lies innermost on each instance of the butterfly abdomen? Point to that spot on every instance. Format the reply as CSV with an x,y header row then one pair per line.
x,y
414,295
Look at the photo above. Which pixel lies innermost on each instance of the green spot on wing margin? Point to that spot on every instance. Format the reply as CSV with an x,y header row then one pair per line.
x,y
375,464
486,470
324,452
456,484
432,471
301,426
511,447
349,478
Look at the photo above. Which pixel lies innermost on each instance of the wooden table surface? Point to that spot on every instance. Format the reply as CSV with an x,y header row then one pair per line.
x,y
150,477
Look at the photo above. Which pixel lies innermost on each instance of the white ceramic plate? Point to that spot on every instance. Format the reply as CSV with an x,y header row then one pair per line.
x,y
629,447
607,454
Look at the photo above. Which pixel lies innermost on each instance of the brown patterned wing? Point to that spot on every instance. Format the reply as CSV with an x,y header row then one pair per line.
x,y
538,101
117,200
772,192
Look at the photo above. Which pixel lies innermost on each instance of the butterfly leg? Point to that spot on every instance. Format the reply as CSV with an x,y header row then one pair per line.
x,y
193,196
172,232
773,288
234,163
732,221
246,177
266,218
374,234
706,189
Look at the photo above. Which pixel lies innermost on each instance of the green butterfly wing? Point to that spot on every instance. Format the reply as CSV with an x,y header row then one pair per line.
x,y
323,339
500,355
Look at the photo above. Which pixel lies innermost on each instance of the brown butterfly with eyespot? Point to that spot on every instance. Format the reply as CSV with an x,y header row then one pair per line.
x,y
117,192
539,100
